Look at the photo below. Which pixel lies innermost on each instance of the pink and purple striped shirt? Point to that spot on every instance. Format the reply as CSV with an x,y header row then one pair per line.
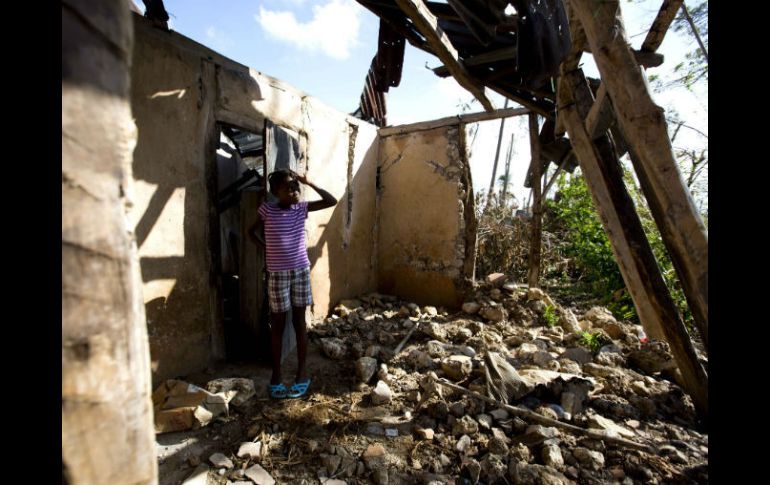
x,y
285,236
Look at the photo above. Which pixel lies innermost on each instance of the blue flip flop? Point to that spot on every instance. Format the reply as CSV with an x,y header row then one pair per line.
x,y
298,389
277,391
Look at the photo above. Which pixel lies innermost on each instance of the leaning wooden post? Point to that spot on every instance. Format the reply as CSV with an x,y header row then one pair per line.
x,y
537,210
632,250
643,124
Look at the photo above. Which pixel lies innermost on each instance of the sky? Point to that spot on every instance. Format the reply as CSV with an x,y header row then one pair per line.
x,y
325,47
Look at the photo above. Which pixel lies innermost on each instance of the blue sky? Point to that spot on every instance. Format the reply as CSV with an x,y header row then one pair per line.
x,y
325,47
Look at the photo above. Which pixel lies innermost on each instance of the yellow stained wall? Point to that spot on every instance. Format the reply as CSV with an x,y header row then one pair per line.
x,y
180,89
426,224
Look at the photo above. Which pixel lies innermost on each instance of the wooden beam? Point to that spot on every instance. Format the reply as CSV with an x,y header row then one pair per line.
x,y
453,120
537,207
661,25
632,250
427,24
486,58
601,116
644,59
644,125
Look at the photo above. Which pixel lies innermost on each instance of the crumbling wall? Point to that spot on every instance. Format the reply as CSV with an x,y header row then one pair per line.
x,y
426,222
180,90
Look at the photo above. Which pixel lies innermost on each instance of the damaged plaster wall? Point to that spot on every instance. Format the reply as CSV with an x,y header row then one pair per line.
x,y
180,90
427,226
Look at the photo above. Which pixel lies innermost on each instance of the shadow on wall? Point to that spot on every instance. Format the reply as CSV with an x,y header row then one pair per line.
x,y
177,268
348,239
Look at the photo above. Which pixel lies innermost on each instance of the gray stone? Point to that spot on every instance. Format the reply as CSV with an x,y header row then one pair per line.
x,y
485,421
463,443
493,468
381,393
522,473
499,414
457,409
496,279
457,367
592,460
493,314
597,421
568,321
600,317
259,475
220,461
435,348
465,426
577,354
536,434
425,433
474,469
471,307
365,368
420,360
333,348
542,358
497,446
551,456
199,476
430,310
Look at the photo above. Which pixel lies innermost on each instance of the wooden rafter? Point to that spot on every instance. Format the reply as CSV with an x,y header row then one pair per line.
x,y
453,120
661,25
427,24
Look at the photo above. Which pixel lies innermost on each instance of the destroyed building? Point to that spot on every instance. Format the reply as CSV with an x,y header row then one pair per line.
x,y
166,144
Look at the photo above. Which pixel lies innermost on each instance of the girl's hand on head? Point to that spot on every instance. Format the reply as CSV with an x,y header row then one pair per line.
x,y
300,178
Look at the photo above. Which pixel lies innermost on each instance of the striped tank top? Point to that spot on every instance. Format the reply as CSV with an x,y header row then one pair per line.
x,y
285,236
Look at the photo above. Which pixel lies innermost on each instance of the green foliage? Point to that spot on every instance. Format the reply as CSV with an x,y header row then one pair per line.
x,y
586,244
550,315
593,341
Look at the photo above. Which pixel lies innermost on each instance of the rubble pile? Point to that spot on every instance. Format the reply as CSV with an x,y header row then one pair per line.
x,y
387,418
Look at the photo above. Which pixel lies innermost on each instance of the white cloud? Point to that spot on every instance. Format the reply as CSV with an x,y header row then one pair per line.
x,y
218,39
333,29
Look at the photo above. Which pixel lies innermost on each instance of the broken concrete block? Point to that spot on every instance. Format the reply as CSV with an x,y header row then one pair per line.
x,y
381,394
457,367
250,450
259,475
220,461
237,390
496,279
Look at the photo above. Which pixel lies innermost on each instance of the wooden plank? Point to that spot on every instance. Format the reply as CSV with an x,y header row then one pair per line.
x,y
427,24
453,120
661,25
644,125
641,274
533,276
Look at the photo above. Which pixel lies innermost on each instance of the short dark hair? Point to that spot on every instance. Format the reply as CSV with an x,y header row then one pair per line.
x,y
277,178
